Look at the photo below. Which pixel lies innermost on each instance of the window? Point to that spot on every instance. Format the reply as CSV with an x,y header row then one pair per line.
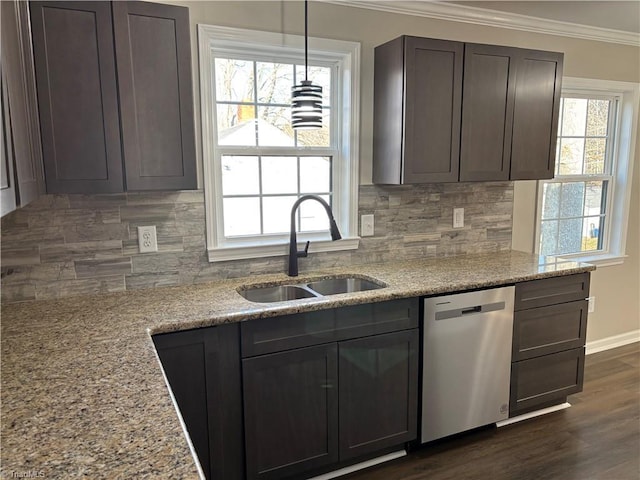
x,y
256,165
583,211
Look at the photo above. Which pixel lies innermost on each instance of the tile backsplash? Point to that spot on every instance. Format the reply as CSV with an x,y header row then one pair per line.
x,y
63,245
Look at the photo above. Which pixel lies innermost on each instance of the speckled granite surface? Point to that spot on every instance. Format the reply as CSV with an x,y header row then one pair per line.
x,y
83,393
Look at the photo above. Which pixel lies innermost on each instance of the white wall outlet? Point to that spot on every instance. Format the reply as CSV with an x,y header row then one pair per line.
x,y
147,239
458,217
592,304
366,225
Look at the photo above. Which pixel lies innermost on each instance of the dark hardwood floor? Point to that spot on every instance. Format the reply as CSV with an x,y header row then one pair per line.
x,y
598,438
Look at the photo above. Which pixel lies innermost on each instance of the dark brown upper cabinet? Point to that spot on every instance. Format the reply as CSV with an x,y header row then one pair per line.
x,y
489,91
115,96
449,111
417,104
535,115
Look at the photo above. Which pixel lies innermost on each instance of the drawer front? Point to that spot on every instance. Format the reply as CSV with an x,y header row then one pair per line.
x,y
551,291
545,330
538,381
268,335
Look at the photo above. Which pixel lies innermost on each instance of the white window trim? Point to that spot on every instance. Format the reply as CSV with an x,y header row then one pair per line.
x,y
210,38
624,156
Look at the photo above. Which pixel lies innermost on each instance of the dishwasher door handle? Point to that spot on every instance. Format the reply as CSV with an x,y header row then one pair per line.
x,y
459,312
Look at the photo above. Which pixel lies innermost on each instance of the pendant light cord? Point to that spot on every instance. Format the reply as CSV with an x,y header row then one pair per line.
x,y
306,41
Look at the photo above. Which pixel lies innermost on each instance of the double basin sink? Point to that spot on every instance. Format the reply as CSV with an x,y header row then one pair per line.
x,y
319,288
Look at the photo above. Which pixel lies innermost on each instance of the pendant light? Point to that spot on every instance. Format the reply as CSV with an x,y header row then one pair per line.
x,y
306,98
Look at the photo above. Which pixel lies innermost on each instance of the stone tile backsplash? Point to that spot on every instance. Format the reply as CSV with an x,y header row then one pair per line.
x,y
63,245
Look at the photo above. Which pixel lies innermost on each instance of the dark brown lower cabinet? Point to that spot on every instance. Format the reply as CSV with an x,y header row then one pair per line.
x,y
549,333
378,397
291,411
329,405
203,369
540,381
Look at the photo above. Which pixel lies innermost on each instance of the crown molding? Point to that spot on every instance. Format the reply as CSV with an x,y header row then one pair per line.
x,y
495,18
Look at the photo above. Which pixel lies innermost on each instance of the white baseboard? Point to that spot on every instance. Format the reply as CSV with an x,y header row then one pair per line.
x,y
360,466
536,413
613,342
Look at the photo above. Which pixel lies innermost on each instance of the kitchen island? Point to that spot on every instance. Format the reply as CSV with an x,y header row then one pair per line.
x,y
83,393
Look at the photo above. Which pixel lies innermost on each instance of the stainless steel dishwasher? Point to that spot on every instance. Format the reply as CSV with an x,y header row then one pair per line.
x,y
466,361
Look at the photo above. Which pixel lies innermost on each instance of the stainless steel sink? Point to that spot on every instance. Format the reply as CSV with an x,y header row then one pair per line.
x,y
319,288
280,293
333,286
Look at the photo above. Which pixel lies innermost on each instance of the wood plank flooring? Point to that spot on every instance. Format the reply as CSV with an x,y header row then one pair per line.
x,y
598,438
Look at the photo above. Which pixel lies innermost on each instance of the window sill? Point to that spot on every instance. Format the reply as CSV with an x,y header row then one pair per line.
x,y
222,254
604,260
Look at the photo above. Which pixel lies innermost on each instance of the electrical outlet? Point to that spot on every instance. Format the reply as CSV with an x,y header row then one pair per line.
x,y
366,225
458,217
592,304
147,239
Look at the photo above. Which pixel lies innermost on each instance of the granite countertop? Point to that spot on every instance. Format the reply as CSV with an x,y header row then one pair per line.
x,y
83,393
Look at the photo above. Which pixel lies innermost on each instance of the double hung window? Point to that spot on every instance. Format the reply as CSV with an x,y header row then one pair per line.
x,y
582,212
256,165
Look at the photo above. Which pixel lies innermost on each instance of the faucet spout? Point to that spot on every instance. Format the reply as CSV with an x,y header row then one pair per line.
x,y
294,253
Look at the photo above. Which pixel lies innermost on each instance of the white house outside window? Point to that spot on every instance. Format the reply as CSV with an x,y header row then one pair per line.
x,y
583,211
256,165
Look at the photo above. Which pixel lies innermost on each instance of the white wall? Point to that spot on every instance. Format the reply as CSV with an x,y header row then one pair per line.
x,y
617,288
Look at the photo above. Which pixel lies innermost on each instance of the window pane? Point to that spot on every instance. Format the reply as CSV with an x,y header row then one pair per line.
x,y
236,125
594,153
274,82
241,216
551,200
319,76
548,237
592,226
571,156
240,175
569,235
317,137
595,198
313,216
277,213
279,175
274,127
234,80
597,117
572,199
574,117
315,174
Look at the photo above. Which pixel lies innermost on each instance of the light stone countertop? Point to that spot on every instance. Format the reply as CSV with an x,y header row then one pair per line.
x,y
83,394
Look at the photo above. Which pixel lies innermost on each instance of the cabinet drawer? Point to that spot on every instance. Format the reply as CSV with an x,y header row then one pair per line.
x,y
538,381
267,335
551,329
551,291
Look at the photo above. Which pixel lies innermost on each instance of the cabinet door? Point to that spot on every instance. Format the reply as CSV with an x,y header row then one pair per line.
x,y
541,381
203,369
487,112
153,53
432,102
7,186
378,392
544,330
551,291
535,115
77,96
17,65
290,411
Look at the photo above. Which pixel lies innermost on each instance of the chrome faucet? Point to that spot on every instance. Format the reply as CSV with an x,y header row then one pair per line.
x,y
294,253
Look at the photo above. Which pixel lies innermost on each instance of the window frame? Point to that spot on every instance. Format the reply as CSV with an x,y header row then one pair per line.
x,y
216,41
618,172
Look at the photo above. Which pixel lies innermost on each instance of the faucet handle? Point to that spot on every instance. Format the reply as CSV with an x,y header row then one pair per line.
x,y
305,252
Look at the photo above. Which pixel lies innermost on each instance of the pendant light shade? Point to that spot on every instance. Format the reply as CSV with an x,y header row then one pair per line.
x,y
306,98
